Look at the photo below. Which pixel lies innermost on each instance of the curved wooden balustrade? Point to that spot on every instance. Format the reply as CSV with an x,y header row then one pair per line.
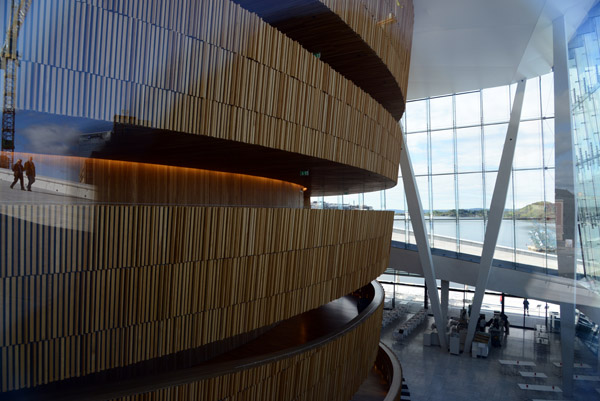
x,y
323,337
388,365
109,286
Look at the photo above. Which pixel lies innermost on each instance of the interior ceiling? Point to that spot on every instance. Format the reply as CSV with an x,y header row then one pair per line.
x,y
464,45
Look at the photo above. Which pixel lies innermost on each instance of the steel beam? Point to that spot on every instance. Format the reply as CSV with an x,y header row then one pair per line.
x,y
415,210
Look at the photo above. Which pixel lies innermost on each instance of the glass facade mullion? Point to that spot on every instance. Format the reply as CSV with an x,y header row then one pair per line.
x,y
455,169
429,213
456,197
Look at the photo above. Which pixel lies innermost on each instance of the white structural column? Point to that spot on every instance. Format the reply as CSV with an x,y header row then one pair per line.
x,y
496,211
564,191
418,223
445,295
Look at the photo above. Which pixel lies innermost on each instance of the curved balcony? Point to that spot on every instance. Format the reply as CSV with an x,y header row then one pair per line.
x,y
133,283
335,337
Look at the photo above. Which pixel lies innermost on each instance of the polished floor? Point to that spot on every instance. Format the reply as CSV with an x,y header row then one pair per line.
x,y
432,374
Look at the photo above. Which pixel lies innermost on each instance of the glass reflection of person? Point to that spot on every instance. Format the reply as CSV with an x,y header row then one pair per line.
x,y
30,172
18,173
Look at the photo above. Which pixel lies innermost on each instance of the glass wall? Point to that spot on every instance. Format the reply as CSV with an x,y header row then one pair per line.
x,y
455,143
584,72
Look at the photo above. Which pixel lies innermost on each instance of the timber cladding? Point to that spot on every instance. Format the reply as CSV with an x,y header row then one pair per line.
x,y
387,26
206,68
90,287
332,372
141,183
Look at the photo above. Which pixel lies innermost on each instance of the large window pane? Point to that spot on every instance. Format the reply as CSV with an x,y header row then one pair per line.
x,y
352,201
471,232
374,200
468,149
442,152
548,137
528,152
468,109
496,104
530,216
547,98
333,202
441,112
416,116
528,189
444,212
470,193
394,199
531,100
470,212
444,203
417,148
493,140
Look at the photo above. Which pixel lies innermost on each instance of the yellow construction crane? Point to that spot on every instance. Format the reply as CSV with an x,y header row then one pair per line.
x,y
9,61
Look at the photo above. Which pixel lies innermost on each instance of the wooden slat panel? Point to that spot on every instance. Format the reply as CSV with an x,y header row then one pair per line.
x,y
333,371
276,263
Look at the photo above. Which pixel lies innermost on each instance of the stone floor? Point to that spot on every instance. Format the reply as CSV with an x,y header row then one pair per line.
x,y
432,374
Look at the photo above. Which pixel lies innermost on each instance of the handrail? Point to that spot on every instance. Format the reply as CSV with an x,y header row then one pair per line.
x,y
390,367
67,390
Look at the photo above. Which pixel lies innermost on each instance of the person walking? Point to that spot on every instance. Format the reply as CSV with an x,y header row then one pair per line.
x,y
18,173
30,172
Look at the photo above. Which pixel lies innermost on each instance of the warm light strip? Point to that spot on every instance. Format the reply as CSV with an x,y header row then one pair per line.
x,y
77,161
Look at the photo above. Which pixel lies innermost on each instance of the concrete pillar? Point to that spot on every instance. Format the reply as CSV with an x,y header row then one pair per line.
x,y
444,299
566,208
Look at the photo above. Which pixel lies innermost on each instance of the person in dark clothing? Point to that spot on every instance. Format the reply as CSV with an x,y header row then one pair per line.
x,y
525,307
30,172
18,173
506,324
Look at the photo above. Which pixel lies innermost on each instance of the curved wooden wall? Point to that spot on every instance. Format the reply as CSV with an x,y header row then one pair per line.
x,y
391,39
331,372
233,77
87,288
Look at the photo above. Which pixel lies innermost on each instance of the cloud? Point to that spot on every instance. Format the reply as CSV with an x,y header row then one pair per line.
x,y
51,138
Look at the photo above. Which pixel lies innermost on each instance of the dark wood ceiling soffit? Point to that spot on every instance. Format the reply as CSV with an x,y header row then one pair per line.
x,y
323,177
319,30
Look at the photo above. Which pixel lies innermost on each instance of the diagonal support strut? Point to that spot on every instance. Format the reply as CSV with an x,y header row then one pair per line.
x,y
496,211
415,210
